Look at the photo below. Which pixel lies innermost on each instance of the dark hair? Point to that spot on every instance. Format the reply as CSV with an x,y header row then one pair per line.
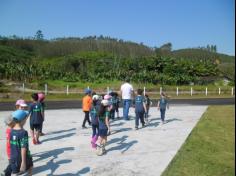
x,y
139,91
102,110
146,95
35,96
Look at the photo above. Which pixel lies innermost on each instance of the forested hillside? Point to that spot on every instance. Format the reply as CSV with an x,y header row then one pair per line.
x,y
101,58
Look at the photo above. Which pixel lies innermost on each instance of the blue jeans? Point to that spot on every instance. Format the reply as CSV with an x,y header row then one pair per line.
x,y
126,106
163,111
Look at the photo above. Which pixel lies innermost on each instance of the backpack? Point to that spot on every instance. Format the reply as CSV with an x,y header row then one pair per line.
x,y
94,115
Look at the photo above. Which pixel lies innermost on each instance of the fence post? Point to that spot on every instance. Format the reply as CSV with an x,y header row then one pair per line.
x,y
219,90
46,89
160,90
144,91
206,91
191,92
177,91
67,90
23,86
232,92
108,90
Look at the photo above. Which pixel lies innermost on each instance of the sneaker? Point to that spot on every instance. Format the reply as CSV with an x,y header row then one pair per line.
x,y
143,125
41,134
84,127
136,128
99,150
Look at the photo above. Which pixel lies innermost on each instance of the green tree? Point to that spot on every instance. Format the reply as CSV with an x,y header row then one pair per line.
x,y
39,35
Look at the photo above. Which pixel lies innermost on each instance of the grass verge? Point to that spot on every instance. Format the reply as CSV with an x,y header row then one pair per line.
x,y
210,148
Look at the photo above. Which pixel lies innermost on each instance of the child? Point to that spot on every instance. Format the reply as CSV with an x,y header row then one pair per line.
x,y
148,104
104,127
36,118
41,98
115,105
21,160
21,104
162,105
87,104
94,120
10,124
140,109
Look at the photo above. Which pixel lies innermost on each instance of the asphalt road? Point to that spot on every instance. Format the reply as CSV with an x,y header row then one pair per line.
x,y
72,104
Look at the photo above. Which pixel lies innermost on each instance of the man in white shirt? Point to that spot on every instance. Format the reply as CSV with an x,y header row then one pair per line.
x,y
127,93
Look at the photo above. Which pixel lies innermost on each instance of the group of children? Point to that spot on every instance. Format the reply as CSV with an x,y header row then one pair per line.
x,y
17,145
100,109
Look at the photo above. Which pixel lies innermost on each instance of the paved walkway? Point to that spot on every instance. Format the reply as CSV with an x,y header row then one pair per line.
x,y
66,150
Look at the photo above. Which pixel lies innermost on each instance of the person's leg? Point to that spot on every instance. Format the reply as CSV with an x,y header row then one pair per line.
x,y
84,121
87,117
124,110
142,118
162,115
136,120
128,106
94,130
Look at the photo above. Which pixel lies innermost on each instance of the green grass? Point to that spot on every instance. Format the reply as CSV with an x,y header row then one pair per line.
x,y
210,148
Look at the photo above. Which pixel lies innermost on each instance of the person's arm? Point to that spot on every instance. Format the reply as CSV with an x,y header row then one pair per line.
x,y
23,160
145,107
158,105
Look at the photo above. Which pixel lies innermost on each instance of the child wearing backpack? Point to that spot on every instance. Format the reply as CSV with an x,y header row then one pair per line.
x,y
94,119
162,105
148,104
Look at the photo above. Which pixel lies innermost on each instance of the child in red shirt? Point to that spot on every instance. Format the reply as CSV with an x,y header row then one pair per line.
x,y
10,124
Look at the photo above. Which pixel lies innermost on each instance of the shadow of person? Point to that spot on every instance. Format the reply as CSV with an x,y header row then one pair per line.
x,y
120,130
117,124
82,171
58,137
155,124
154,119
61,131
122,145
171,120
52,153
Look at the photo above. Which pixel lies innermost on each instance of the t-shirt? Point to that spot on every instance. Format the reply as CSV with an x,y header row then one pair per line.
x,y
87,103
8,144
163,103
139,100
102,119
35,111
126,90
18,140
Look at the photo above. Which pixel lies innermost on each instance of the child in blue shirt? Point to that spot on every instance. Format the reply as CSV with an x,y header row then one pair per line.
x,y
36,118
162,105
20,159
140,109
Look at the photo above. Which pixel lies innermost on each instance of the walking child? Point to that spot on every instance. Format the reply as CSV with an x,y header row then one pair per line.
x,y
148,104
36,118
94,119
104,127
10,124
21,160
162,105
41,98
87,104
115,104
140,109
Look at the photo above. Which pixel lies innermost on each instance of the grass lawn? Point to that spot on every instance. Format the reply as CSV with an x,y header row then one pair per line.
x,y
210,148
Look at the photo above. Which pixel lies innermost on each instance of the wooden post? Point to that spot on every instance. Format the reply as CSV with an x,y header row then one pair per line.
x,y
67,90
160,90
177,91
23,86
206,91
46,89
191,92
219,91
232,91
144,91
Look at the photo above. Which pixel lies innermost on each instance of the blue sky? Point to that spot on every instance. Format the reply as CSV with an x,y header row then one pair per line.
x,y
184,23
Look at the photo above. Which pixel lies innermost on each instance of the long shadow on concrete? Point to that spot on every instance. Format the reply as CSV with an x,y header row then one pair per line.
x,y
82,171
122,145
58,137
61,131
51,165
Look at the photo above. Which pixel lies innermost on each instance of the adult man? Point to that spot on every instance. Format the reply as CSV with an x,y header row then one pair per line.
x,y
127,93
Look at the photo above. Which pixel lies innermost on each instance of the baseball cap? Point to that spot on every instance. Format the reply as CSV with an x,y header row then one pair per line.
x,y
21,103
105,102
8,120
96,97
87,91
107,97
19,115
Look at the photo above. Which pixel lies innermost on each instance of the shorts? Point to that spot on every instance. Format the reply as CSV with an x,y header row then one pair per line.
x,y
16,163
36,127
102,132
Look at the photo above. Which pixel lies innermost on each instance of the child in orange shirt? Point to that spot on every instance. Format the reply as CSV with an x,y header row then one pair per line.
x,y
87,104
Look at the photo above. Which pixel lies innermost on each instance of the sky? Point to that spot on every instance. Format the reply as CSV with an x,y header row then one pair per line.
x,y
184,23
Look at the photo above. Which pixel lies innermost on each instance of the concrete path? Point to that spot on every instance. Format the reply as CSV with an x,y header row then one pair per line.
x,y
66,150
